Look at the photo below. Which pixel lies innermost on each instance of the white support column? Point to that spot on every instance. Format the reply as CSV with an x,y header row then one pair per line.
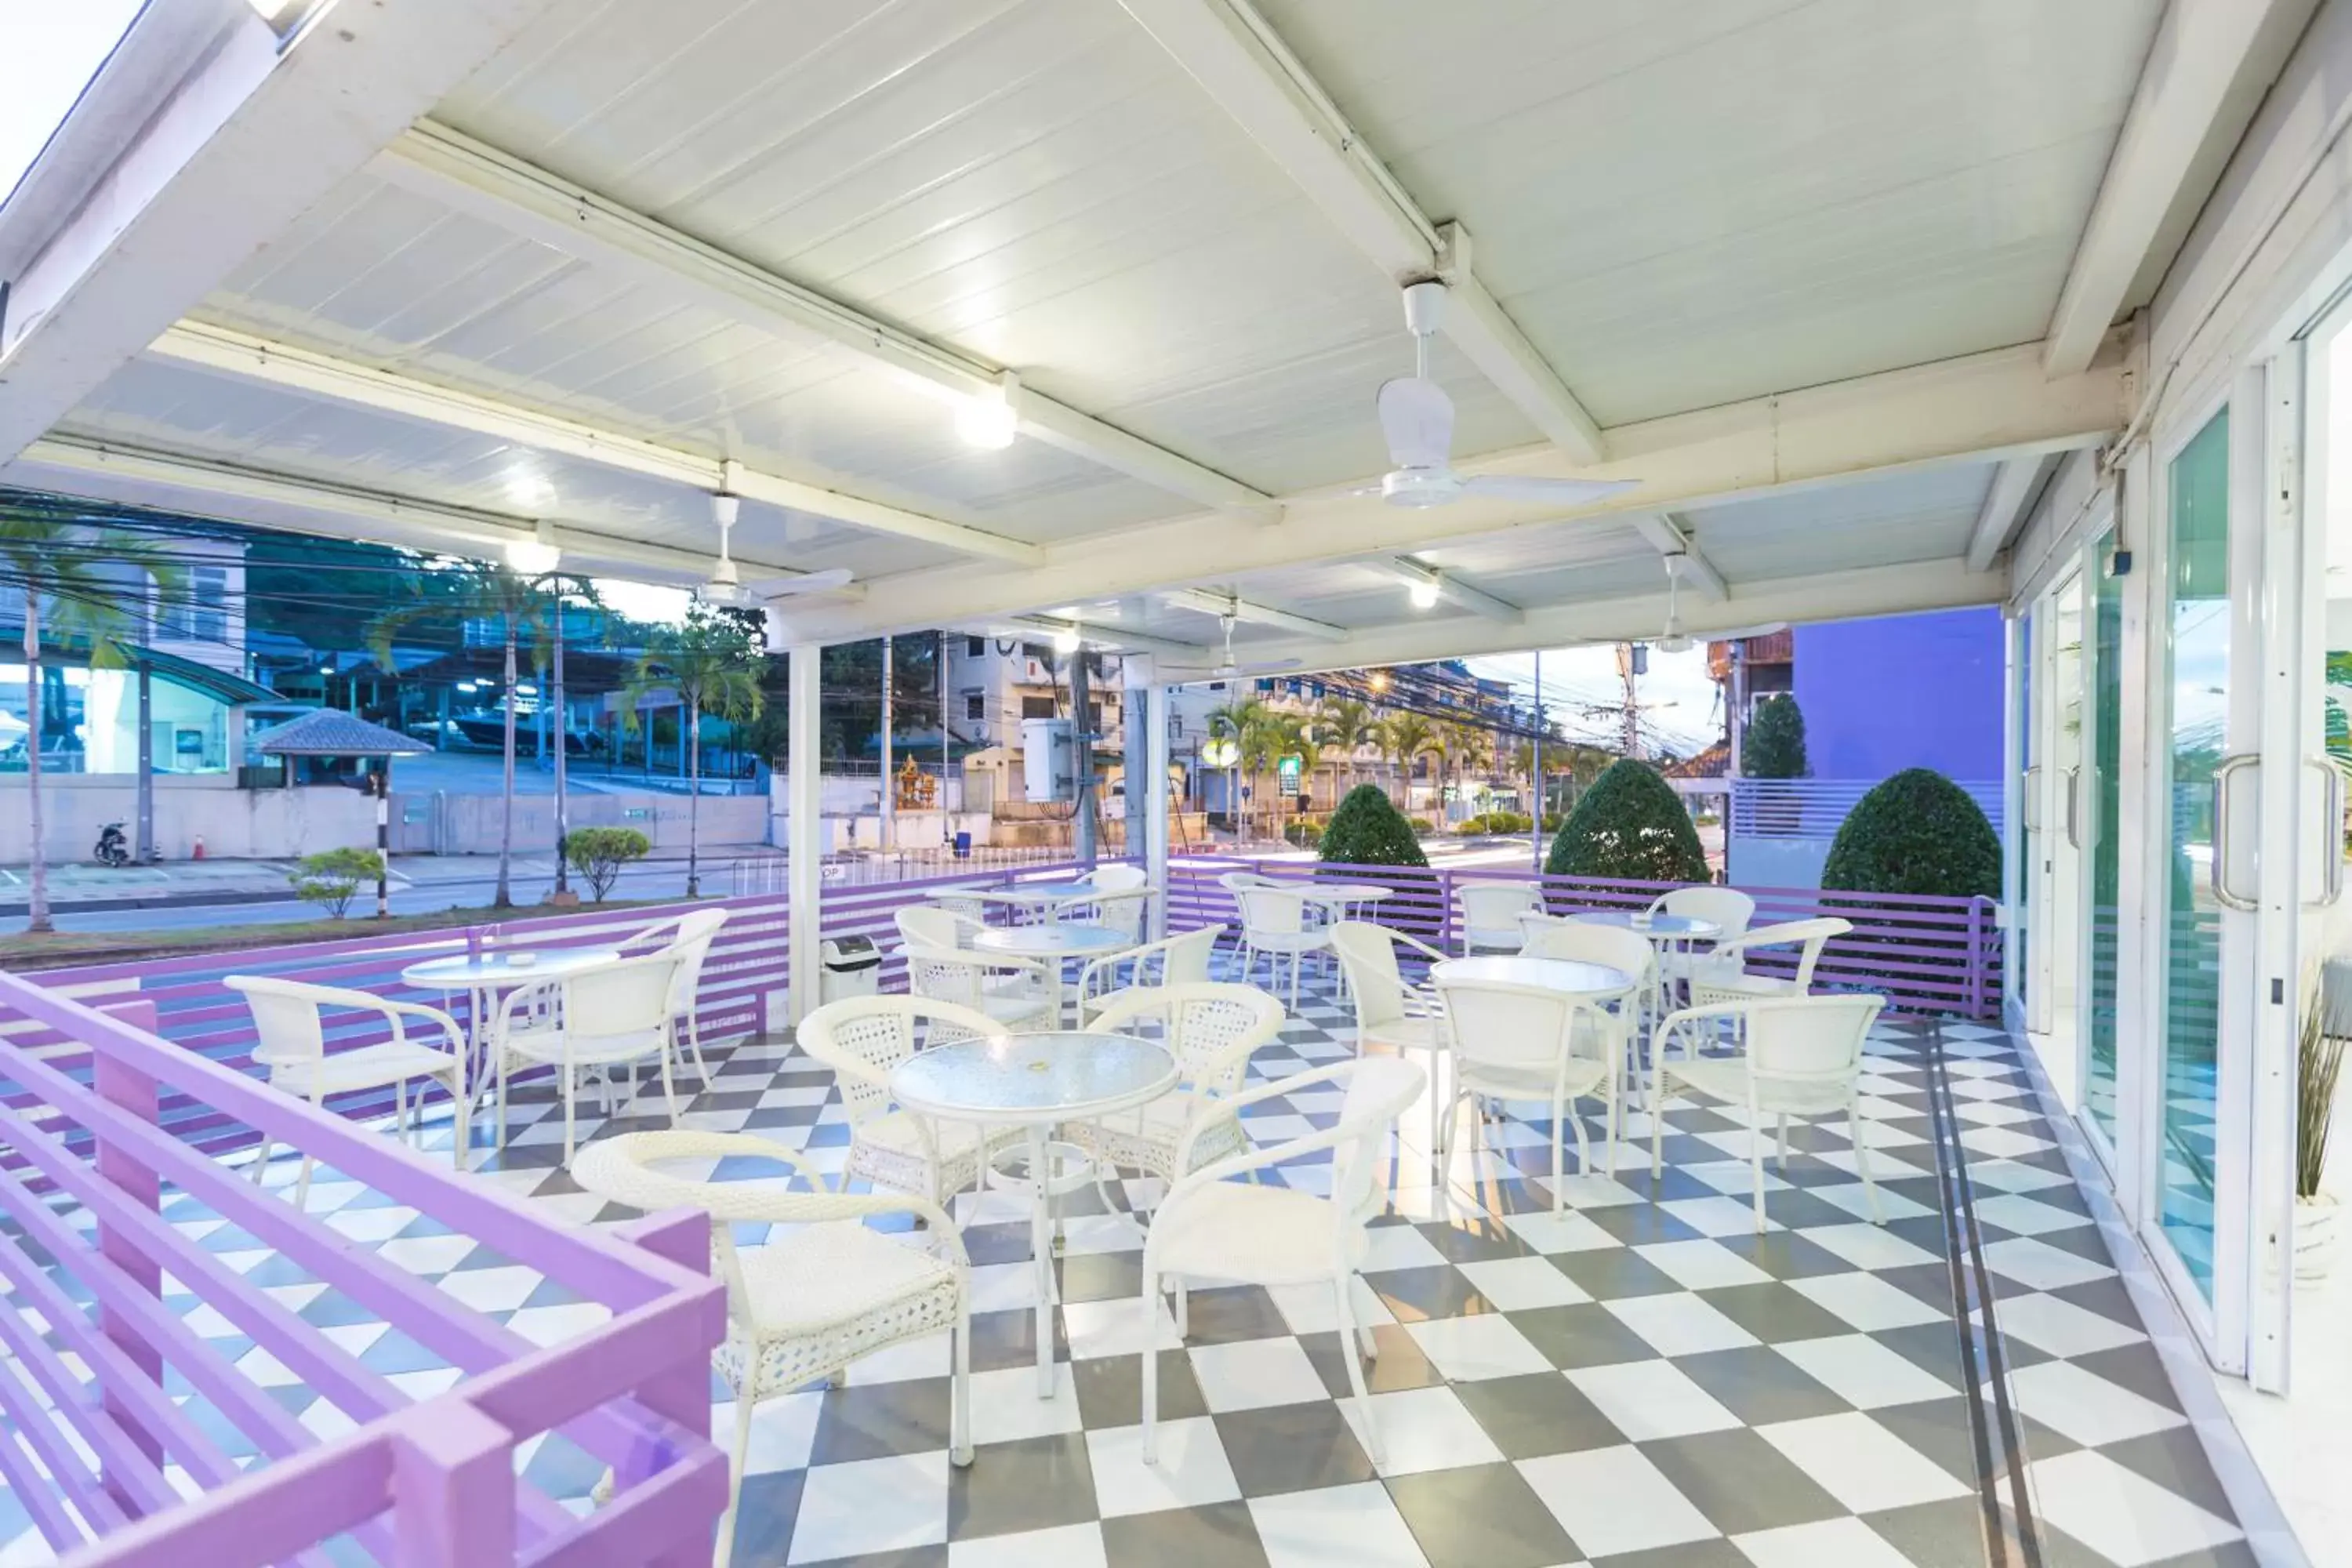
x,y
1147,811
804,825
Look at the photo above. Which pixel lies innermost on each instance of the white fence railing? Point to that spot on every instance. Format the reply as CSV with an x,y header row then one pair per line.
x,y
1815,808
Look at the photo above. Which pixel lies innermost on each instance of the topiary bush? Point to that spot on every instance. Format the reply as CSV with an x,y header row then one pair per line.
x,y
598,853
1368,830
1918,832
1774,747
1631,825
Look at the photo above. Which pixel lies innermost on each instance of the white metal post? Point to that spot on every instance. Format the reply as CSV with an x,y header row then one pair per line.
x,y
803,826
889,799
1147,813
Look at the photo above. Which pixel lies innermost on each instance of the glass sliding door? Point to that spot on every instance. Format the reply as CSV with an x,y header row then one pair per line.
x,y
2097,829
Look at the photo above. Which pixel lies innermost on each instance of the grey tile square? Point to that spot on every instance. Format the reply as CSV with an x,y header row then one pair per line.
x,y
1473,1239
1741,1482
1001,1339
1938,1429
1760,1385
1032,1483
1946,1535
1688,1554
1587,1334
770,1506
1480,1516
1774,1313
1292,1448
1229,1314
1607,1274
877,1420
2137,1367
1401,1363
1640,1225
1106,1277
1933,1347
1417,1294
1219,1534
1110,1390
1536,1413
2174,1459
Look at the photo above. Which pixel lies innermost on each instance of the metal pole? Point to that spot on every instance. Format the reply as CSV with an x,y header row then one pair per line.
x,y
803,826
1082,761
889,782
383,839
563,894
946,823
146,848
1535,825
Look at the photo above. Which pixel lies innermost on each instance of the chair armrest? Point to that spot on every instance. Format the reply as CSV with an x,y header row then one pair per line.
x,y
504,1022
1416,944
395,1011
1672,1023
1231,1105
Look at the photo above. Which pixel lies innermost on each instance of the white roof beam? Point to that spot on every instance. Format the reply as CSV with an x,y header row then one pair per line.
x,y
1451,589
357,385
1107,633
2014,485
1980,407
256,133
77,465
1669,536
1237,58
459,171
2205,75
1207,602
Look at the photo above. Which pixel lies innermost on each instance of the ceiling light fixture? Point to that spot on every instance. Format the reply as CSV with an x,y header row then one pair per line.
x,y
1424,595
1067,640
538,555
989,419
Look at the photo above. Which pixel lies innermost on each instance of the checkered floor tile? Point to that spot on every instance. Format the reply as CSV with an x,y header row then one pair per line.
x,y
1641,1380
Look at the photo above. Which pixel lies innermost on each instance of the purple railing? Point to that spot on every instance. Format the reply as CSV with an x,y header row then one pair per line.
x,y
93,1430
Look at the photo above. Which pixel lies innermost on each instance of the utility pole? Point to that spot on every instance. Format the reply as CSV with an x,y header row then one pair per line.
x,y
1630,659
889,782
946,823
1082,762
1535,822
563,895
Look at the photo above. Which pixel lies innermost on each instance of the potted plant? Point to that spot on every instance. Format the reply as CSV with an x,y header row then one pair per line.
x,y
2326,1030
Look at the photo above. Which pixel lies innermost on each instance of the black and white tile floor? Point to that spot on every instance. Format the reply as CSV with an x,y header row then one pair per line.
x,y
1642,1383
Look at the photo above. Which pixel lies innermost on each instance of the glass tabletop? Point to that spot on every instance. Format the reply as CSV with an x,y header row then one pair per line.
x,y
1034,1078
1041,893
1044,941
1337,893
1651,925
505,966
1568,975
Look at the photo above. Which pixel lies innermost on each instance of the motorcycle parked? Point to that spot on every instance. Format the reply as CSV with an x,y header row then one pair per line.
x,y
113,848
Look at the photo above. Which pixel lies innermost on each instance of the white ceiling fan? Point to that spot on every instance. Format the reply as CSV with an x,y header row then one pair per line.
x,y
1673,638
726,586
1227,669
1417,419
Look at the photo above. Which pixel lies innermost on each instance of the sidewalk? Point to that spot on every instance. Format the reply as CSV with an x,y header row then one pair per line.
x,y
86,885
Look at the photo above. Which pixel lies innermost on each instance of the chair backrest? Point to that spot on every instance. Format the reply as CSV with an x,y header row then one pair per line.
x,y
1270,911
1119,877
1612,946
1380,1089
1522,1028
1496,906
1174,960
945,974
696,932
861,1038
930,926
287,1028
627,996
1235,881
1726,907
1809,936
1203,1024
1124,912
1376,985
1809,1039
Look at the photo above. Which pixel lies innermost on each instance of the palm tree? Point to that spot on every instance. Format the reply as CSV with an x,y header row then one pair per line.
x,y
1236,722
1345,726
522,608
1408,738
70,572
714,665
1468,747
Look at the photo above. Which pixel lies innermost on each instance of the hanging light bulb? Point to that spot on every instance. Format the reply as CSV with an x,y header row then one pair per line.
x,y
1423,596
1066,640
990,420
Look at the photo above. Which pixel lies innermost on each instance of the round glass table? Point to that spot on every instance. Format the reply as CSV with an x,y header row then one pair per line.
x,y
1572,976
1052,944
1034,1081
484,976
1033,900
1667,934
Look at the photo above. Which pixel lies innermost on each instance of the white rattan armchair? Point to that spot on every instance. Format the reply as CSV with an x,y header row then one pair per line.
x,y
1211,1028
1722,975
1011,992
1526,1042
1171,961
1726,908
291,1040
1408,1019
1490,913
813,1299
1212,1228
589,1020
1278,923
1801,1057
862,1039
688,938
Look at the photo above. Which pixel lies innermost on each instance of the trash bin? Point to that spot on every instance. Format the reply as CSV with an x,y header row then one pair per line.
x,y
852,966
963,845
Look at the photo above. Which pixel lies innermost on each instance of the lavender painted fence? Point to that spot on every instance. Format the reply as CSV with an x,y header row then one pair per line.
x,y
95,1440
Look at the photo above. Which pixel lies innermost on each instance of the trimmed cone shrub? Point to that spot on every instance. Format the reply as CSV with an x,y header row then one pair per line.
x,y
1918,832
1368,830
1631,824
1774,746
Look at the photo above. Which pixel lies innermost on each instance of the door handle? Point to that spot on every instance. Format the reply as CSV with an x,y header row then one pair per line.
x,y
2025,801
2074,808
2331,843
2218,868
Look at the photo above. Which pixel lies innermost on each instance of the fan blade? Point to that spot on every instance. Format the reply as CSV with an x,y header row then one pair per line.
x,y
824,581
1417,418
1559,493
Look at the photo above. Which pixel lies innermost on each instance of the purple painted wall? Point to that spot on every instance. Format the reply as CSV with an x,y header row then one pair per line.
x,y
1903,691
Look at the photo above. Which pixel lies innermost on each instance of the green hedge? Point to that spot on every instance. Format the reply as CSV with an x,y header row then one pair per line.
x,y
1366,830
1918,832
1631,825
1774,746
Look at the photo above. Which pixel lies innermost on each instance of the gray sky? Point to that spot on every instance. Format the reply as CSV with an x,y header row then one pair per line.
x,y
1573,675
51,50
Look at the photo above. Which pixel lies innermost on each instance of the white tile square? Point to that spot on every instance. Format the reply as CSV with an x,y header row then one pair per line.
x,y
1614,1500
2127,1518
1003,1287
872,1505
492,1289
1705,1265
1863,1373
1725,1215
1357,1525
1824,1544
2022,1216
1550,1233
426,1255
1311,1309
1397,1246
1254,1373
1423,1429
1070,1546
1468,1349
1192,1468
931,1356
1869,1246
783,1431
1677,1322
1116,1327
1524,1284
1005,1406
1861,1463
554,1325
2084,1407
1867,1302
2038,1266
2060,1326
1647,1400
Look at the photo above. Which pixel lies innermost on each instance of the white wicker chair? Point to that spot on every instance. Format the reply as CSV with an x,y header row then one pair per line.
x,y
291,1040
1212,1028
1490,913
1212,1228
813,1299
1171,961
935,925
1722,975
861,1038
1405,1018
1615,946
690,937
1526,1042
1011,992
595,1019
1279,922
1726,906
1803,1057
